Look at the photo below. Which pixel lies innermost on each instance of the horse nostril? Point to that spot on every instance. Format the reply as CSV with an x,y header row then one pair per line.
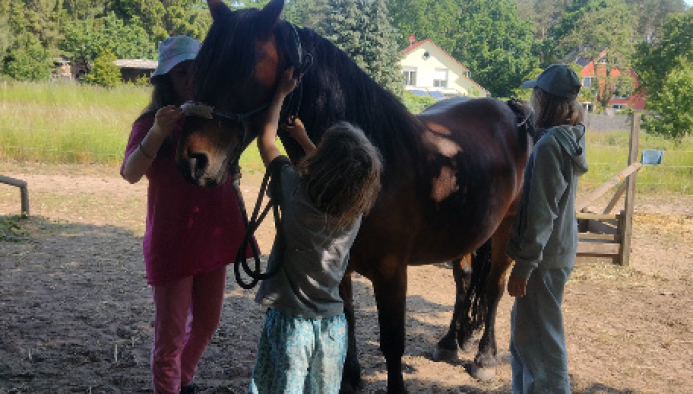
x,y
198,164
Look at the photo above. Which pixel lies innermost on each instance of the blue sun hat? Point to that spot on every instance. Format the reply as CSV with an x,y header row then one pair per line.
x,y
558,80
174,50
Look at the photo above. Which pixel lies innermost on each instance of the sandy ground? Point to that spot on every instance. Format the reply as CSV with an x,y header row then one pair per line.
x,y
76,314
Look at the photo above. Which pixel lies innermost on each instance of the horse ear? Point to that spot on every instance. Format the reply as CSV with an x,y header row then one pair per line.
x,y
217,8
268,17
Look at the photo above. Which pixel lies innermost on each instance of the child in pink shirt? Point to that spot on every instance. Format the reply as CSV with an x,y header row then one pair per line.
x,y
191,234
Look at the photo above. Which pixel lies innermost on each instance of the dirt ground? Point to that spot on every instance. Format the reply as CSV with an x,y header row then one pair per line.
x,y
76,313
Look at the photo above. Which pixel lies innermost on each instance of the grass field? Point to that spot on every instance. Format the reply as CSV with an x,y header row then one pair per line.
x,y
71,123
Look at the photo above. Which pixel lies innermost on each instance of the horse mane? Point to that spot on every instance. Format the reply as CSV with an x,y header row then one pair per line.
x,y
217,68
336,89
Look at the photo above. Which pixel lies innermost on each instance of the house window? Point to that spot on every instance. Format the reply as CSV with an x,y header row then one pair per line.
x,y
440,78
619,107
587,82
622,92
409,76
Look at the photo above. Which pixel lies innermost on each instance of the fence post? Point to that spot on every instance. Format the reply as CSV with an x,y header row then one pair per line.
x,y
627,216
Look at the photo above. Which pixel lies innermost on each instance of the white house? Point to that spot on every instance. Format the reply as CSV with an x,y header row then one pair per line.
x,y
429,70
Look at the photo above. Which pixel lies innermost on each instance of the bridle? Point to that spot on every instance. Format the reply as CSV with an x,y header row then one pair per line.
x,y
293,101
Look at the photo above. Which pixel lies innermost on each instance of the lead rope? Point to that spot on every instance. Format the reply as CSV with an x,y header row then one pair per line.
x,y
251,225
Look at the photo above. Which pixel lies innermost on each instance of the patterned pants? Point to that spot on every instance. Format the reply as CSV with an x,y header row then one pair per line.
x,y
297,355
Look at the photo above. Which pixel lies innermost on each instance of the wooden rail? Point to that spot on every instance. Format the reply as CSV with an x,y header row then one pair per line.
x,y
24,191
607,234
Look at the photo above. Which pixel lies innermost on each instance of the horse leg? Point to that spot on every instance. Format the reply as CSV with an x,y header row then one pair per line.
x,y
351,377
390,296
484,364
446,349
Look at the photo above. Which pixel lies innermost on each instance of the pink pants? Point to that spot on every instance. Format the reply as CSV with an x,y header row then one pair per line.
x,y
187,315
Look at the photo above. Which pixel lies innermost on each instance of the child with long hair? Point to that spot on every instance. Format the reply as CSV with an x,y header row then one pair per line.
x,y
191,234
304,338
544,238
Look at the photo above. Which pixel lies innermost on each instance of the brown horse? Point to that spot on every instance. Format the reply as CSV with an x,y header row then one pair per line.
x,y
450,178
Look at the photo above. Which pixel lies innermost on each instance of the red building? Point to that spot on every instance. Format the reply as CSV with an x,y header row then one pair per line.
x,y
594,73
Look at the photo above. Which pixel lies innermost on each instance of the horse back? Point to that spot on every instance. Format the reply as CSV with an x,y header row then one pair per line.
x,y
476,158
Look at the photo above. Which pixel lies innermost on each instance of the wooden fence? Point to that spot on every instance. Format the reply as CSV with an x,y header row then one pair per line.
x,y
607,234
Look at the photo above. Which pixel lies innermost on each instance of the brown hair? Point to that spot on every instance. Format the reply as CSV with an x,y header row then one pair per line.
x,y
163,94
552,110
342,176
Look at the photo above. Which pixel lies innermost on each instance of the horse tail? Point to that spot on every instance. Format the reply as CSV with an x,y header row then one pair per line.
x,y
476,293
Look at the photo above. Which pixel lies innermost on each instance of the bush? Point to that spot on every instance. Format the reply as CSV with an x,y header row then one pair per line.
x,y
29,64
104,73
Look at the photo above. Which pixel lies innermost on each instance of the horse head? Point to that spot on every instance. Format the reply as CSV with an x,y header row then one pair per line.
x,y
235,75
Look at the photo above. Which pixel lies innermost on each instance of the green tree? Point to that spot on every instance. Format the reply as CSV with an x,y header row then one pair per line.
x,y
6,36
305,13
343,26
361,28
670,110
437,20
654,61
89,39
598,30
381,53
41,19
650,15
495,44
29,64
104,72
83,9
165,18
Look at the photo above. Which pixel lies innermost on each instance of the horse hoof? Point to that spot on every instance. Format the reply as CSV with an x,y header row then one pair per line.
x,y
482,373
441,354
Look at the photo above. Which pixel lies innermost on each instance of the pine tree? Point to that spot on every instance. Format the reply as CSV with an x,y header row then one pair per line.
x,y
305,13
380,50
361,28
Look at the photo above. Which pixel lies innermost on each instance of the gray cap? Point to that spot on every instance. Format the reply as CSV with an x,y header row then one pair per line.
x,y
174,50
559,80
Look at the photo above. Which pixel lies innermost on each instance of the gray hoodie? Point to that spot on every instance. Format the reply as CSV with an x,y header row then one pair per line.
x,y
545,232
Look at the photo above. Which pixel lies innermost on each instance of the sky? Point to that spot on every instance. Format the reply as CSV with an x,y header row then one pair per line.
x,y
689,2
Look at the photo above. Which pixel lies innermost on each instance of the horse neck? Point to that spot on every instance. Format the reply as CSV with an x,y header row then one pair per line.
x,y
336,89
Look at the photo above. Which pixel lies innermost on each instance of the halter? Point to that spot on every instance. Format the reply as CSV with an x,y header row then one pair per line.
x,y
207,111
293,101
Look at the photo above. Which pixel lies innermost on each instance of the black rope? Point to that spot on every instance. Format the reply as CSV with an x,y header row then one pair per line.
x,y
272,180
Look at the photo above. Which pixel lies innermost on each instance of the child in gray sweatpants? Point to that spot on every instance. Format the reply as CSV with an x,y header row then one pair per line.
x,y
545,235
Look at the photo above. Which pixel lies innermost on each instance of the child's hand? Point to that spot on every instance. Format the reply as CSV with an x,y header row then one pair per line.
x,y
298,132
165,119
295,128
287,83
517,286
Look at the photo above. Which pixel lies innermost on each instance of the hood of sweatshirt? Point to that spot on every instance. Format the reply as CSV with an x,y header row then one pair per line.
x,y
572,140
